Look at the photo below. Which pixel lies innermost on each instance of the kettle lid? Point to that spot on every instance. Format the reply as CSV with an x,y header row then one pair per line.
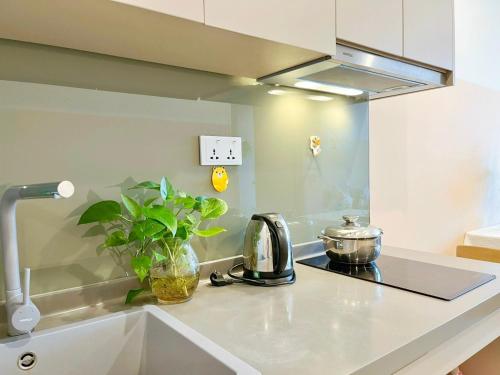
x,y
273,216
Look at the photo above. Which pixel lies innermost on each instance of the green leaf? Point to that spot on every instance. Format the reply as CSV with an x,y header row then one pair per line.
x,y
210,232
186,202
145,228
160,235
102,212
212,208
132,206
141,266
132,293
167,191
159,257
137,232
163,215
117,238
182,232
149,185
190,218
199,200
151,227
148,202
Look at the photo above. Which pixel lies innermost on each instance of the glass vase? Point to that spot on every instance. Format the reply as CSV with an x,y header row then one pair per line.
x,y
175,279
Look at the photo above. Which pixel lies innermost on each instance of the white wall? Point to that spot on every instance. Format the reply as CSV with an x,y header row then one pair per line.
x,y
435,155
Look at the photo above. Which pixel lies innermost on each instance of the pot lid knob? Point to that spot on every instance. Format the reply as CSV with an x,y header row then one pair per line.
x,y
351,220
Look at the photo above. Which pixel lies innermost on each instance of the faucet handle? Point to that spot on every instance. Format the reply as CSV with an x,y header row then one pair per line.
x,y
26,316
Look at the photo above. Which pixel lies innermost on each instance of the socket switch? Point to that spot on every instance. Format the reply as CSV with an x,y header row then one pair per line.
x,y
216,150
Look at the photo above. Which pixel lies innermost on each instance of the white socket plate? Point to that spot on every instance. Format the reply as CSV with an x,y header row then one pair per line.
x,y
215,150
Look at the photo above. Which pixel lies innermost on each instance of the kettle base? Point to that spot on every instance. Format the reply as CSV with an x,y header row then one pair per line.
x,y
268,278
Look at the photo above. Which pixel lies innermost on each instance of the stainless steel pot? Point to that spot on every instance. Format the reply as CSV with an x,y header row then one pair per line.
x,y
351,242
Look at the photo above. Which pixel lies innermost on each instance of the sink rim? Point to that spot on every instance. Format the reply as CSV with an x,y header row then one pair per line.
x,y
195,337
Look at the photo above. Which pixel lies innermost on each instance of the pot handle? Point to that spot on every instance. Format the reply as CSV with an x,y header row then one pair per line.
x,y
340,244
325,238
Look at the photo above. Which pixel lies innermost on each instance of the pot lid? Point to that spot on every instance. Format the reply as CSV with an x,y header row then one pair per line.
x,y
352,229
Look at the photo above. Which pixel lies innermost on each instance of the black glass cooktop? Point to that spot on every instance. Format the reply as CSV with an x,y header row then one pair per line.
x,y
424,278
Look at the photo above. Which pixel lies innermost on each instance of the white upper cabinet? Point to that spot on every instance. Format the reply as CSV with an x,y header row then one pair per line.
x,y
307,24
189,9
428,32
377,24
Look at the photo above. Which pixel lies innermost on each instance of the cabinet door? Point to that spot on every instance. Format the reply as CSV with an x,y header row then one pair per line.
x,y
376,24
308,24
189,9
428,31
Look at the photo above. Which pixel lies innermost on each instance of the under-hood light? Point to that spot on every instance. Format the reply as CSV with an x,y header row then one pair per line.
x,y
311,85
277,92
319,98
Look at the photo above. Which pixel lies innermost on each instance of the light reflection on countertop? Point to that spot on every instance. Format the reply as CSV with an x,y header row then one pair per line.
x,y
329,322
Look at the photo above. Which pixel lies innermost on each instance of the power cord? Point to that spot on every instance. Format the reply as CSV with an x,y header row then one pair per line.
x,y
218,279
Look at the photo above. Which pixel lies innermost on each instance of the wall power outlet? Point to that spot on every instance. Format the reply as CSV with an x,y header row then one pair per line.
x,y
215,150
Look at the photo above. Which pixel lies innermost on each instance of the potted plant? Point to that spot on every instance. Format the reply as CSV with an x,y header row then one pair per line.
x,y
156,235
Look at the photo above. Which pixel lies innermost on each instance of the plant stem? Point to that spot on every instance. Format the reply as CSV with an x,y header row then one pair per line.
x,y
125,219
145,245
171,256
170,253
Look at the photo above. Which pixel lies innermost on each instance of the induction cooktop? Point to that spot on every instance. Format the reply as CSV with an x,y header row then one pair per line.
x,y
424,278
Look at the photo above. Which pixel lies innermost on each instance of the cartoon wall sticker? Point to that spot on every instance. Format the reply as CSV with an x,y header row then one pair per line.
x,y
315,145
220,179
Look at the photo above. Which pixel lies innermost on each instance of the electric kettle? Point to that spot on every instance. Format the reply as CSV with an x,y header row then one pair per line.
x,y
267,252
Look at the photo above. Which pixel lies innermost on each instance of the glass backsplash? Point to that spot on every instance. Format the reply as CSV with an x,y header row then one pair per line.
x,y
58,126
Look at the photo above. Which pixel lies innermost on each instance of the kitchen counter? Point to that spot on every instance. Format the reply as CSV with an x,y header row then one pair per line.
x,y
332,323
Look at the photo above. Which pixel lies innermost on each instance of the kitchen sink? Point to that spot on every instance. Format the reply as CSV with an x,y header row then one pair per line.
x,y
143,341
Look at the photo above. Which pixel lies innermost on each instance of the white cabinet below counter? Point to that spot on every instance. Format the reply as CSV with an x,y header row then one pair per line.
x,y
306,24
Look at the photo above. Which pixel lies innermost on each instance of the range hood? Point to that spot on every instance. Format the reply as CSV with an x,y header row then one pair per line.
x,y
355,72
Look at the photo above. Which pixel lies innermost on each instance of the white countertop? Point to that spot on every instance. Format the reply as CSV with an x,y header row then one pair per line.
x,y
484,237
327,322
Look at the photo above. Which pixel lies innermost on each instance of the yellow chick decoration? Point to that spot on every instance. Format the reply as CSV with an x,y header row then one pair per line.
x,y
220,179
315,144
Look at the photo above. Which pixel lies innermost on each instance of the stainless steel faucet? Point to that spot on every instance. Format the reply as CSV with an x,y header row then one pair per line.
x,y
22,314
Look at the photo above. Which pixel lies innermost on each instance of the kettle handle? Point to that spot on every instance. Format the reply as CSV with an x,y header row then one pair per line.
x,y
280,253
283,249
